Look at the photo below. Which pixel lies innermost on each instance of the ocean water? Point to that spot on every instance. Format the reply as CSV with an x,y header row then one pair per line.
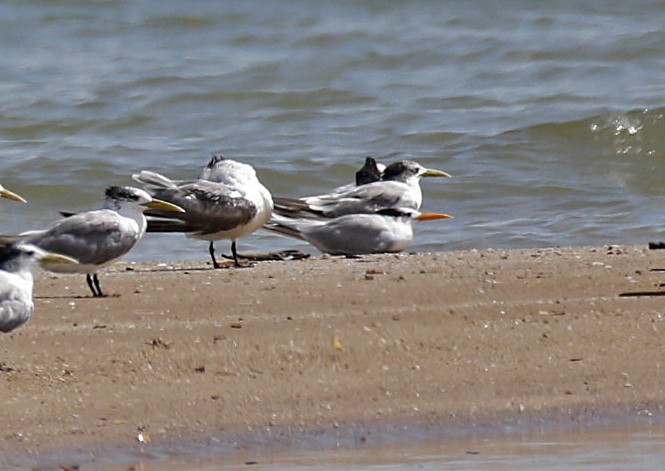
x,y
548,114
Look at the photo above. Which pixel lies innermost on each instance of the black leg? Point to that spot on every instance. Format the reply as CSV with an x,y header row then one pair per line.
x,y
88,278
93,284
99,289
212,254
235,253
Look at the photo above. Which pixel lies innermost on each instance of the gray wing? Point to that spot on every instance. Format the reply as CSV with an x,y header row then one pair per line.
x,y
209,208
295,208
355,234
351,235
368,198
92,237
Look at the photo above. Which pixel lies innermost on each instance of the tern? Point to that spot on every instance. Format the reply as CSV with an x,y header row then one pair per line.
x,y
388,230
17,281
398,188
227,201
100,237
5,193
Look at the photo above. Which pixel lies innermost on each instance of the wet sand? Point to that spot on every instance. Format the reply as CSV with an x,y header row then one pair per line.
x,y
454,339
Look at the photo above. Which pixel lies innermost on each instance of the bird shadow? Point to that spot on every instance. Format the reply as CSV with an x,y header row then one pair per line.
x,y
173,269
638,294
79,297
281,256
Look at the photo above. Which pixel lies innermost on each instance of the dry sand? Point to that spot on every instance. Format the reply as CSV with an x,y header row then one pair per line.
x,y
453,339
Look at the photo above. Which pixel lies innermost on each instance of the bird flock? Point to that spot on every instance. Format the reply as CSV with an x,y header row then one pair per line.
x,y
226,201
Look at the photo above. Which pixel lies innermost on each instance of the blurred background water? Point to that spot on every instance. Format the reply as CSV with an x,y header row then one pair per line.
x,y
548,114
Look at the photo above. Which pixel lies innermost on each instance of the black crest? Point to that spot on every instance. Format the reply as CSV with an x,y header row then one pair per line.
x,y
369,173
121,193
10,255
401,170
8,252
215,159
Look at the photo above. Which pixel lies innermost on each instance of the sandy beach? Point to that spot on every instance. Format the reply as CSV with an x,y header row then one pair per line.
x,y
451,339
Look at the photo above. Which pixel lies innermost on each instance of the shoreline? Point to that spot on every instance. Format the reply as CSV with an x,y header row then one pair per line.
x,y
182,350
265,446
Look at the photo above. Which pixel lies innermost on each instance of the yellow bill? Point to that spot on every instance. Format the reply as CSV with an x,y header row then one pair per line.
x,y
432,172
52,258
164,206
5,193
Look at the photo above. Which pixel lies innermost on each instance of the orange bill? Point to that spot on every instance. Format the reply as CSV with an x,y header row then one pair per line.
x,y
432,216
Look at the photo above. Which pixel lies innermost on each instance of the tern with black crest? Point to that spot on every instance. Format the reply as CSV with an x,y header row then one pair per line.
x,y
100,237
399,188
227,201
17,281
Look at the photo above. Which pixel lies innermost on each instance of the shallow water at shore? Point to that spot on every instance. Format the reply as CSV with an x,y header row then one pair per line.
x,y
613,450
598,449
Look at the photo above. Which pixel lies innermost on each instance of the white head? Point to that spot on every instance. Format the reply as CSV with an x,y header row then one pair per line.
x,y
409,171
21,256
119,197
223,170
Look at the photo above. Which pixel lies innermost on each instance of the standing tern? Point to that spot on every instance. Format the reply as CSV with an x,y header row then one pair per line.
x,y
100,237
5,193
17,281
388,230
399,187
227,201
